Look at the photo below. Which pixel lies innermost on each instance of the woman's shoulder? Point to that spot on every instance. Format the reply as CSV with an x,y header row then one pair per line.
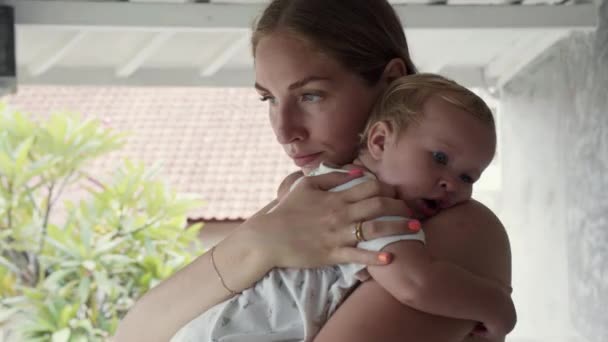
x,y
472,236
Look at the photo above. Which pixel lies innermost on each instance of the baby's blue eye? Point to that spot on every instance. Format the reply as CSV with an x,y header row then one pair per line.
x,y
440,158
467,179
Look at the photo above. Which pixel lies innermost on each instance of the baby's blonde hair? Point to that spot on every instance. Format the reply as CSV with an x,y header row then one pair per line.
x,y
403,101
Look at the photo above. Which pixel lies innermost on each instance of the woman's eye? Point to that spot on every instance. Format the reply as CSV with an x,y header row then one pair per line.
x,y
440,158
467,179
268,98
311,97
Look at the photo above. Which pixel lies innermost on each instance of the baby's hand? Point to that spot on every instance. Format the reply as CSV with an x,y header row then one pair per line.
x,y
479,330
502,325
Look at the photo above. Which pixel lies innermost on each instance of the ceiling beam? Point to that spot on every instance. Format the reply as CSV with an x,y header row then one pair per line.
x,y
142,55
210,15
46,62
470,76
509,63
224,56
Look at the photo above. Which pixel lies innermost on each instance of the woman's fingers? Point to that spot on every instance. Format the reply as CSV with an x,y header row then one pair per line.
x,y
361,256
381,228
367,189
373,230
328,181
375,207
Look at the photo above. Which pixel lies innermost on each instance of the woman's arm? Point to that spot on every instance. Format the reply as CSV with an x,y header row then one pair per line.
x,y
163,310
468,235
310,227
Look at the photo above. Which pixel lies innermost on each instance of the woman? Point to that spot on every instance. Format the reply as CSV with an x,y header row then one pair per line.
x,y
321,64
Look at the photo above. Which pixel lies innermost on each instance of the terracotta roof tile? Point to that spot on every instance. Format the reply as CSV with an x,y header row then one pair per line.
x,y
213,142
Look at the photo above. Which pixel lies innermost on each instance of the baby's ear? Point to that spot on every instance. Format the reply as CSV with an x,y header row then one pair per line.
x,y
378,137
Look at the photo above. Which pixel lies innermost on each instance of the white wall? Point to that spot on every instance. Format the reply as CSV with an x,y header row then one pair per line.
x,y
555,190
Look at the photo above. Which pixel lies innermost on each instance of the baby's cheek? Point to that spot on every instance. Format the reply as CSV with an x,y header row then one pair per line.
x,y
463,196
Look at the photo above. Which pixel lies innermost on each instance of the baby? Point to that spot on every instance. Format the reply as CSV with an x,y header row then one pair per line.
x,y
430,139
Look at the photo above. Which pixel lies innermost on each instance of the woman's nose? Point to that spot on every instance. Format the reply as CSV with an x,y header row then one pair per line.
x,y
287,125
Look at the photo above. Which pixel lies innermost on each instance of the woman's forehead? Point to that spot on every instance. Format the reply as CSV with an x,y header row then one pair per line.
x,y
288,60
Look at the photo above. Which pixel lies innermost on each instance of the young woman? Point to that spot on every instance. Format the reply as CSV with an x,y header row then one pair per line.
x,y
430,139
321,64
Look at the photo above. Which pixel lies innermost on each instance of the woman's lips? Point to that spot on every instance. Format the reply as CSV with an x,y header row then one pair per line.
x,y
304,160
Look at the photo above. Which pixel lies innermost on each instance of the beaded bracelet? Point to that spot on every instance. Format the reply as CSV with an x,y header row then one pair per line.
x,y
218,273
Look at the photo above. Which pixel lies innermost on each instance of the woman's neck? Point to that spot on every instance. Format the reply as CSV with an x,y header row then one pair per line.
x,y
365,160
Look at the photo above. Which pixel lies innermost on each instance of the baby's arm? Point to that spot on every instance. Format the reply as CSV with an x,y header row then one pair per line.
x,y
423,283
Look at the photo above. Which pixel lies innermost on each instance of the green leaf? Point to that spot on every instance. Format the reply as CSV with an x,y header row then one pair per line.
x,y
65,248
81,337
117,260
62,335
84,290
8,264
67,313
55,280
7,167
104,247
22,153
102,281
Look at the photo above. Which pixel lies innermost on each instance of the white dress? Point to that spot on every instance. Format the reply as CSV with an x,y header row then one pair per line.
x,y
287,304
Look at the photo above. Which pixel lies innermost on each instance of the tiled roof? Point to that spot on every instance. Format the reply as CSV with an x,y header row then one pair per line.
x,y
213,142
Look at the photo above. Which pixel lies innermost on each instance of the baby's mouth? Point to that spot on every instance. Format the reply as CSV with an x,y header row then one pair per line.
x,y
430,207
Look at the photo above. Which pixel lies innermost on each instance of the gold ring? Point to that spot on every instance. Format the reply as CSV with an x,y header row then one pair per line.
x,y
359,232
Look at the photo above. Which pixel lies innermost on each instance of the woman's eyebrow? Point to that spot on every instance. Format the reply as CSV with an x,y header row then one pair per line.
x,y
306,80
296,84
259,87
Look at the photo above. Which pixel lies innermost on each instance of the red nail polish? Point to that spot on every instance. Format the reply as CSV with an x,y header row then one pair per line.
x,y
414,225
385,258
356,172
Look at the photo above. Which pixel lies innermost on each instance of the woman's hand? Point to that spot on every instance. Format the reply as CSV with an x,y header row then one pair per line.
x,y
312,227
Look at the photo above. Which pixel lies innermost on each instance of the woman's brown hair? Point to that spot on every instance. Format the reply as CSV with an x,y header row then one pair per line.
x,y
362,35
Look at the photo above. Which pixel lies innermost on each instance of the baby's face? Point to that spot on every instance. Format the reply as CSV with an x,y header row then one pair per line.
x,y
435,161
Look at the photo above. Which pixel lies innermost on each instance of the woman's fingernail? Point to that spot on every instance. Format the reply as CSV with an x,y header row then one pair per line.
x,y
385,258
355,172
414,225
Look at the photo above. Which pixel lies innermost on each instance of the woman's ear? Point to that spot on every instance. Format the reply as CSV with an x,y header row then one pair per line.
x,y
377,139
394,69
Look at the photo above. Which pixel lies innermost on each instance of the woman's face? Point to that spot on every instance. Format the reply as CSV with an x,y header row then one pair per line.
x,y
317,108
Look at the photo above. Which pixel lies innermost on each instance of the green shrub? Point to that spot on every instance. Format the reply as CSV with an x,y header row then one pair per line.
x,y
73,278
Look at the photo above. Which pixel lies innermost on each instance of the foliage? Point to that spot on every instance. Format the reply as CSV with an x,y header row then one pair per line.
x,y
70,270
